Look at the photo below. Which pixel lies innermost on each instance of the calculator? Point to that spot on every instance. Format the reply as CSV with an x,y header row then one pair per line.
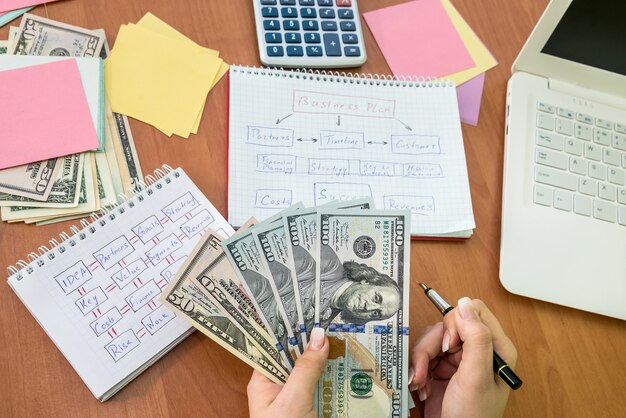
x,y
309,33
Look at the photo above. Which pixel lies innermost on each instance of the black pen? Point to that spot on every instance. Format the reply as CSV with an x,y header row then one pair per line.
x,y
499,365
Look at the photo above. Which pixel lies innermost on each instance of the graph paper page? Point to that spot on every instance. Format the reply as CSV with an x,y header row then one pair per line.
x,y
318,138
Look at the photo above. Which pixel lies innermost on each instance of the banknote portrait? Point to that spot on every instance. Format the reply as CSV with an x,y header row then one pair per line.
x,y
261,290
356,291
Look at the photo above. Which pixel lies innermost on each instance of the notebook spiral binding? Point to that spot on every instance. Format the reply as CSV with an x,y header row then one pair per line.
x,y
90,224
351,78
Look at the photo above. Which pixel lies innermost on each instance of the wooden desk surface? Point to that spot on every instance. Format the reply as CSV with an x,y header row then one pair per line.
x,y
571,361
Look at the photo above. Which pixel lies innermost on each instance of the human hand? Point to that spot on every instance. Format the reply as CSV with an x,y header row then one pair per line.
x,y
294,399
452,364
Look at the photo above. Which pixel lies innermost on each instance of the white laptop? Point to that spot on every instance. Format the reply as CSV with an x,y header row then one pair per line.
x,y
564,186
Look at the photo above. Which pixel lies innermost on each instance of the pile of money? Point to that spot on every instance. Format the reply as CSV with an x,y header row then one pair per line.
x,y
72,186
343,267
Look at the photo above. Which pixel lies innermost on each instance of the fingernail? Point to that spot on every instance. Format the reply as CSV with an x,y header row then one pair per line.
x,y
317,339
445,344
466,309
421,393
411,375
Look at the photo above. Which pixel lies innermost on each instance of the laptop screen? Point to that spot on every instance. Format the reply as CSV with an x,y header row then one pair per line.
x,y
592,33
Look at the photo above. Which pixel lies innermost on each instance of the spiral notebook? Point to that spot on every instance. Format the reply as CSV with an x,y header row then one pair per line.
x,y
318,137
96,292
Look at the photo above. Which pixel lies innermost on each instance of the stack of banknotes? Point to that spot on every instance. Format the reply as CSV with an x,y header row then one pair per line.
x,y
68,187
343,266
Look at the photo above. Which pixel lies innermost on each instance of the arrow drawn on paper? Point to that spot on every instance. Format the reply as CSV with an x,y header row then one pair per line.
x,y
280,120
407,127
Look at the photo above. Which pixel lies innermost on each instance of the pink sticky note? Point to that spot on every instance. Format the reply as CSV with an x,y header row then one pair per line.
x,y
45,114
418,38
8,5
469,95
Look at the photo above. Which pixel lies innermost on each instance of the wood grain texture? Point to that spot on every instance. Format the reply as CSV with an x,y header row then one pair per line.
x,y
571,361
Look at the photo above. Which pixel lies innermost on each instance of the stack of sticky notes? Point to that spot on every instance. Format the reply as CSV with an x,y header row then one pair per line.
x,y
50,107
430,38
159,76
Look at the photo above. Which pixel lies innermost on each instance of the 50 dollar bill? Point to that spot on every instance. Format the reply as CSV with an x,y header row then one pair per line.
x,y
191,294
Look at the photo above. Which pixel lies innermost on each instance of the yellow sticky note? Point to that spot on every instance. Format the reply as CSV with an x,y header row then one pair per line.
x,y
220,73
153,23
483,59
159,80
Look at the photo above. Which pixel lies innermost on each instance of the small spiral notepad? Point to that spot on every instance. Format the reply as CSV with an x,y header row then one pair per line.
x,y
96,292
317,137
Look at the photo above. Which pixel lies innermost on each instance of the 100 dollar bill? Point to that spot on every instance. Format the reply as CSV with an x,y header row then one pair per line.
x,y
301,227
121,138
245,256
272,241
362,280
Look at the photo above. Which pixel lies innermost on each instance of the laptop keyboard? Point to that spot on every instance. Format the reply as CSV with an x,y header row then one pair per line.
x,y
580,164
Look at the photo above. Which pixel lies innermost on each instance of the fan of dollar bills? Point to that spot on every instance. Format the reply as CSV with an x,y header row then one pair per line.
x,y
344,267
69,187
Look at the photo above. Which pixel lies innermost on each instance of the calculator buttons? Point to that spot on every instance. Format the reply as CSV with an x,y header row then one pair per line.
x,y
349,38
326,13
348,26
269,11
308,13
289,12
293,38
273,38
331,45
271,24
329,26
275,51
312,38
291,24
346,14
314,51
310,25
352,51
294,51
310,33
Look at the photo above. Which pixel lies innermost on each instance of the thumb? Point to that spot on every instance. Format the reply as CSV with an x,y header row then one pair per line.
x,y
476,367
309,366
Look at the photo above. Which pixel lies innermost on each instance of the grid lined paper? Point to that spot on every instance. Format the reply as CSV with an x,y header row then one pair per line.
x,y
317,137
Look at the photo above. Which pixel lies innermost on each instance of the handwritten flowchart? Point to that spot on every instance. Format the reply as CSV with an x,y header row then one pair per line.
x,y
317,138
345,170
